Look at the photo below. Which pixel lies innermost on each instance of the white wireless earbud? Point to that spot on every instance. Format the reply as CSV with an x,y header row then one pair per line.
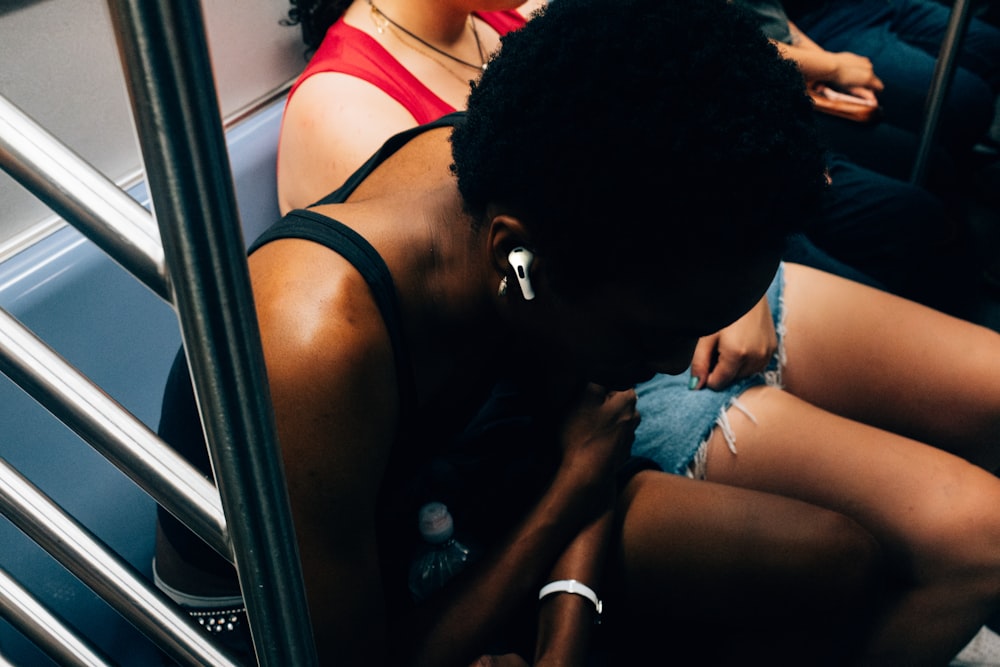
x,y
520,259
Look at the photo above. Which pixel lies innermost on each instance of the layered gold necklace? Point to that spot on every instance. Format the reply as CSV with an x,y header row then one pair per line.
x,y
380,20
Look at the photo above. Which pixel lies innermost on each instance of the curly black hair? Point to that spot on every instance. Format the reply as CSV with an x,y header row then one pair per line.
x,y
315,17
651,134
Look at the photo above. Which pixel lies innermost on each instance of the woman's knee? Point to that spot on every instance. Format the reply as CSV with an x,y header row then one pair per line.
x,y
957,529
848,560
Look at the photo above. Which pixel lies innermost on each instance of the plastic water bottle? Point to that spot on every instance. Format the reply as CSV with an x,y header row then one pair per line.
x,y
441,557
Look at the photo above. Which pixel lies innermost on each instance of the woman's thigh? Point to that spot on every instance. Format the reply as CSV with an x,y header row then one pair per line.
x,y
698,557
873,357
932,512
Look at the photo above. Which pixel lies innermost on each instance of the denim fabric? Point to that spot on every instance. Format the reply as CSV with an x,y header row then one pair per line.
x,y
888,229
676,421
902,38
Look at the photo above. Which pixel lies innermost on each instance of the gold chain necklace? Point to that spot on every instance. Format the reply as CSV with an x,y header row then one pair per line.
x,y
380,20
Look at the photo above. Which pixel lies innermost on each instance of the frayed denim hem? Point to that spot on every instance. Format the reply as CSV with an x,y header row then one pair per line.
x,y
698,467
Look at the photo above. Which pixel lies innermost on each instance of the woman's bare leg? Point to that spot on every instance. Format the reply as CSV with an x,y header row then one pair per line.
x,y
934,514
894,364
718,575
891,363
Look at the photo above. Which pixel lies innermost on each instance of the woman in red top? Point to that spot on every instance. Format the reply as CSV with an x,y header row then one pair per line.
x,y
400,63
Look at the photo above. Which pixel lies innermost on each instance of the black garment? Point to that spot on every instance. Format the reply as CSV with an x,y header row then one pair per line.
x,y
179,422
180,425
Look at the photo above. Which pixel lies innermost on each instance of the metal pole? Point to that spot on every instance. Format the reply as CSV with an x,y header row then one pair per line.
x,y
944,70
45,629
165,56
100,568
87,199
113,431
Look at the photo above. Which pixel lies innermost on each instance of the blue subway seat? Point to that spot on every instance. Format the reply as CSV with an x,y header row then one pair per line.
x,y
123,337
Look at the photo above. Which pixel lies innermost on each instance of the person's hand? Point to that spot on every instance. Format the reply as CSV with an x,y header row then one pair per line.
x,y
506,660
598,430
856,74
743,348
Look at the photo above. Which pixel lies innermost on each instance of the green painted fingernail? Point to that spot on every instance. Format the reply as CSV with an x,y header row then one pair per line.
x,y
693,382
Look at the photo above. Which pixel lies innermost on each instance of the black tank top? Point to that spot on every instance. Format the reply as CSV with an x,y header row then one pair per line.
x,y
180,424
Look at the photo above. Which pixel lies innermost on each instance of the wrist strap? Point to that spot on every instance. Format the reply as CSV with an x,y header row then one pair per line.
x,y
572,586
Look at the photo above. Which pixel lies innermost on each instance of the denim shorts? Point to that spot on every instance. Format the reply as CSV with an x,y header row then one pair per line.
x,y
676,422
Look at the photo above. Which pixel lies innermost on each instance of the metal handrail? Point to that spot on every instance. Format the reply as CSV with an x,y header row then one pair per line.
x,y
165,56
71,187
113,431
48,631
111,577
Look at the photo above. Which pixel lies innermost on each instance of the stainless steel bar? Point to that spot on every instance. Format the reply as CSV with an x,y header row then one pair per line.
x,y
100,568
167,66
113,431
944,70
62,643
83,196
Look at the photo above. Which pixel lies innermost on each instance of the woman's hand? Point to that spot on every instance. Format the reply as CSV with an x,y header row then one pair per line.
x,y
597,432
743,348
855,74
846,71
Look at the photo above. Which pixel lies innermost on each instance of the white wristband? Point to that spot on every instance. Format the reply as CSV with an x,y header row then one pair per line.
x,y
571,586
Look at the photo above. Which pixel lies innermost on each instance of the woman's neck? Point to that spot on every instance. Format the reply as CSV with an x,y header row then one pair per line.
x,y
446,292
432,42
444,25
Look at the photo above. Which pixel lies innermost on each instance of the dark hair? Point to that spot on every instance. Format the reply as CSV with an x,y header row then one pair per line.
x,y
315,17
652,134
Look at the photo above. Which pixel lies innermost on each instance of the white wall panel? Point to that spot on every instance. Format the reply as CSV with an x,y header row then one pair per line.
x,y
59,64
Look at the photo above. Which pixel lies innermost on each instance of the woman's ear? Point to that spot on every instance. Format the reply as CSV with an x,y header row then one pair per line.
x,y
505,234
511,255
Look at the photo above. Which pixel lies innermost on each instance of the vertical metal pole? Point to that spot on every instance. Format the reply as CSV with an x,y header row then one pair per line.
x,y
165,56
944,69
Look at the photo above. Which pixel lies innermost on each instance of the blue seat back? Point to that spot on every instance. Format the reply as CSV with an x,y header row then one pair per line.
x,y
123,337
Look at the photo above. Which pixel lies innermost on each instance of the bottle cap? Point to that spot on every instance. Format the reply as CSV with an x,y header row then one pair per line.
x,y
435,523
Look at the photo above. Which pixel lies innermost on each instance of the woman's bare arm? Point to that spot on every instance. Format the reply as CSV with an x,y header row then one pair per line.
x,y
567,619
595,441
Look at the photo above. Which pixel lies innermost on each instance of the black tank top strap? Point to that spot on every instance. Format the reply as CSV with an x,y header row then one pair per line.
x,y
392,144
307,225
333,234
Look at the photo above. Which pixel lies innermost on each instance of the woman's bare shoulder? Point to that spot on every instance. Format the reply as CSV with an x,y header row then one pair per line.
x,y
316,313
332,124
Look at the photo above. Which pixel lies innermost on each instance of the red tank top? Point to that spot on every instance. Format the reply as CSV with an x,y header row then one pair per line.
x,y
347,50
